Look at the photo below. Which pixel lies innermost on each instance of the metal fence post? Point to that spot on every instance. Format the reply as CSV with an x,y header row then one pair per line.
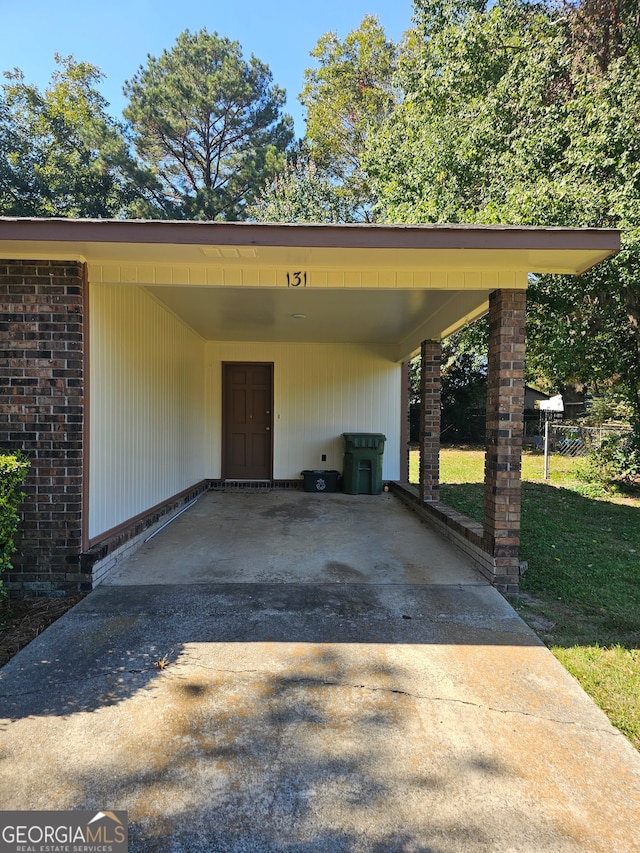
x,y
546,446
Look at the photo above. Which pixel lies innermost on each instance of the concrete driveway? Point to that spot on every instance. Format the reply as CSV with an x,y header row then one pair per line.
x,y
287,672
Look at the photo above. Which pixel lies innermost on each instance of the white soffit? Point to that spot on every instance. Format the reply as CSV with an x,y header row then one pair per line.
x,y
316,260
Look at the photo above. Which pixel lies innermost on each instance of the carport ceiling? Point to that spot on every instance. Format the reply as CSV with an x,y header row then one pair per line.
x,y
385,317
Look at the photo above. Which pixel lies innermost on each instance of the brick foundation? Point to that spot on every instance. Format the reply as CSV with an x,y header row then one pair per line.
x,y
99,561
42,408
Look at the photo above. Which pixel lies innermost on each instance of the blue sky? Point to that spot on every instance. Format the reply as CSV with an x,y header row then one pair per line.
x,y
117,35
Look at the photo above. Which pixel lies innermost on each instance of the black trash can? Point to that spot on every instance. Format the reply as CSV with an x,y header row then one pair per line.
x,y
321,481
362,471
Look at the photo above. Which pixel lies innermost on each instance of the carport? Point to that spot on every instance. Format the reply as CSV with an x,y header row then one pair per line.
x,y
132,344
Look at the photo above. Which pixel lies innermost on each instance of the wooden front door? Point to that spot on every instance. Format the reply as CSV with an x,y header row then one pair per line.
x,y
247,420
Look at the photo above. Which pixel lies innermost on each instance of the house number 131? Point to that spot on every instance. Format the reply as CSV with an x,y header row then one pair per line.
x,y
296,279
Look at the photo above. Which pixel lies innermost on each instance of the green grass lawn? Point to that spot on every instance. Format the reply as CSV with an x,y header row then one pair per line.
x,y
581,592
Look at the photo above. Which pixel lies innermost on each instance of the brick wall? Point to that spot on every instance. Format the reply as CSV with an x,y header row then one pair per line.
x,y
505,410
42,408
430,396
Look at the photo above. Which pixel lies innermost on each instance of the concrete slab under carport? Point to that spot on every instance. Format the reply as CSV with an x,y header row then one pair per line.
x,y
316,708
290,536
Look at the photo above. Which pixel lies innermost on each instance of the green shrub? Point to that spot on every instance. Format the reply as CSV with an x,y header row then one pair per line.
x,y
611,407
13,470
617,460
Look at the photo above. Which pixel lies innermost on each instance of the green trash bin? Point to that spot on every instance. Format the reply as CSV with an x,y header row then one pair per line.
x,y
362,470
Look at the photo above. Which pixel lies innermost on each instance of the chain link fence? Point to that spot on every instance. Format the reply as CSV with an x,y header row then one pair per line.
x,y
567,440
575,441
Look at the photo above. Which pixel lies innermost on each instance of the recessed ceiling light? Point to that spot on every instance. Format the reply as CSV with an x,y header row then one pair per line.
x,y
298,316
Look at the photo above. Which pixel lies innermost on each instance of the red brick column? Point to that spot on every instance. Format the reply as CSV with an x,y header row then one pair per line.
x,y
430,396
505,412
42,409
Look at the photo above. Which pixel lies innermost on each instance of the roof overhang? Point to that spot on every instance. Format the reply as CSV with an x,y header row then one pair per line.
x,y
388,285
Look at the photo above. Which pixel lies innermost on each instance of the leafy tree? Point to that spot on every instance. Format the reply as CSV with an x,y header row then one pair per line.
x,y
434,16
302,193
61,154
505,117
593,323
347,97
464,385
478,91
210,125
603,30
464,396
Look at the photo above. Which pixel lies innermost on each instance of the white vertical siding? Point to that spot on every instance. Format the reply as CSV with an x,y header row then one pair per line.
x,y
156,410
320,391
147,417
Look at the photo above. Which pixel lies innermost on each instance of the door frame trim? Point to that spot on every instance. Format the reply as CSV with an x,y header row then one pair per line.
x,y
223,437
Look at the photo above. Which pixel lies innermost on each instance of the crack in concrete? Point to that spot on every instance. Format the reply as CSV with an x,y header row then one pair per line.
x,y
119,672
106,673
397,691
309,681
454,701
